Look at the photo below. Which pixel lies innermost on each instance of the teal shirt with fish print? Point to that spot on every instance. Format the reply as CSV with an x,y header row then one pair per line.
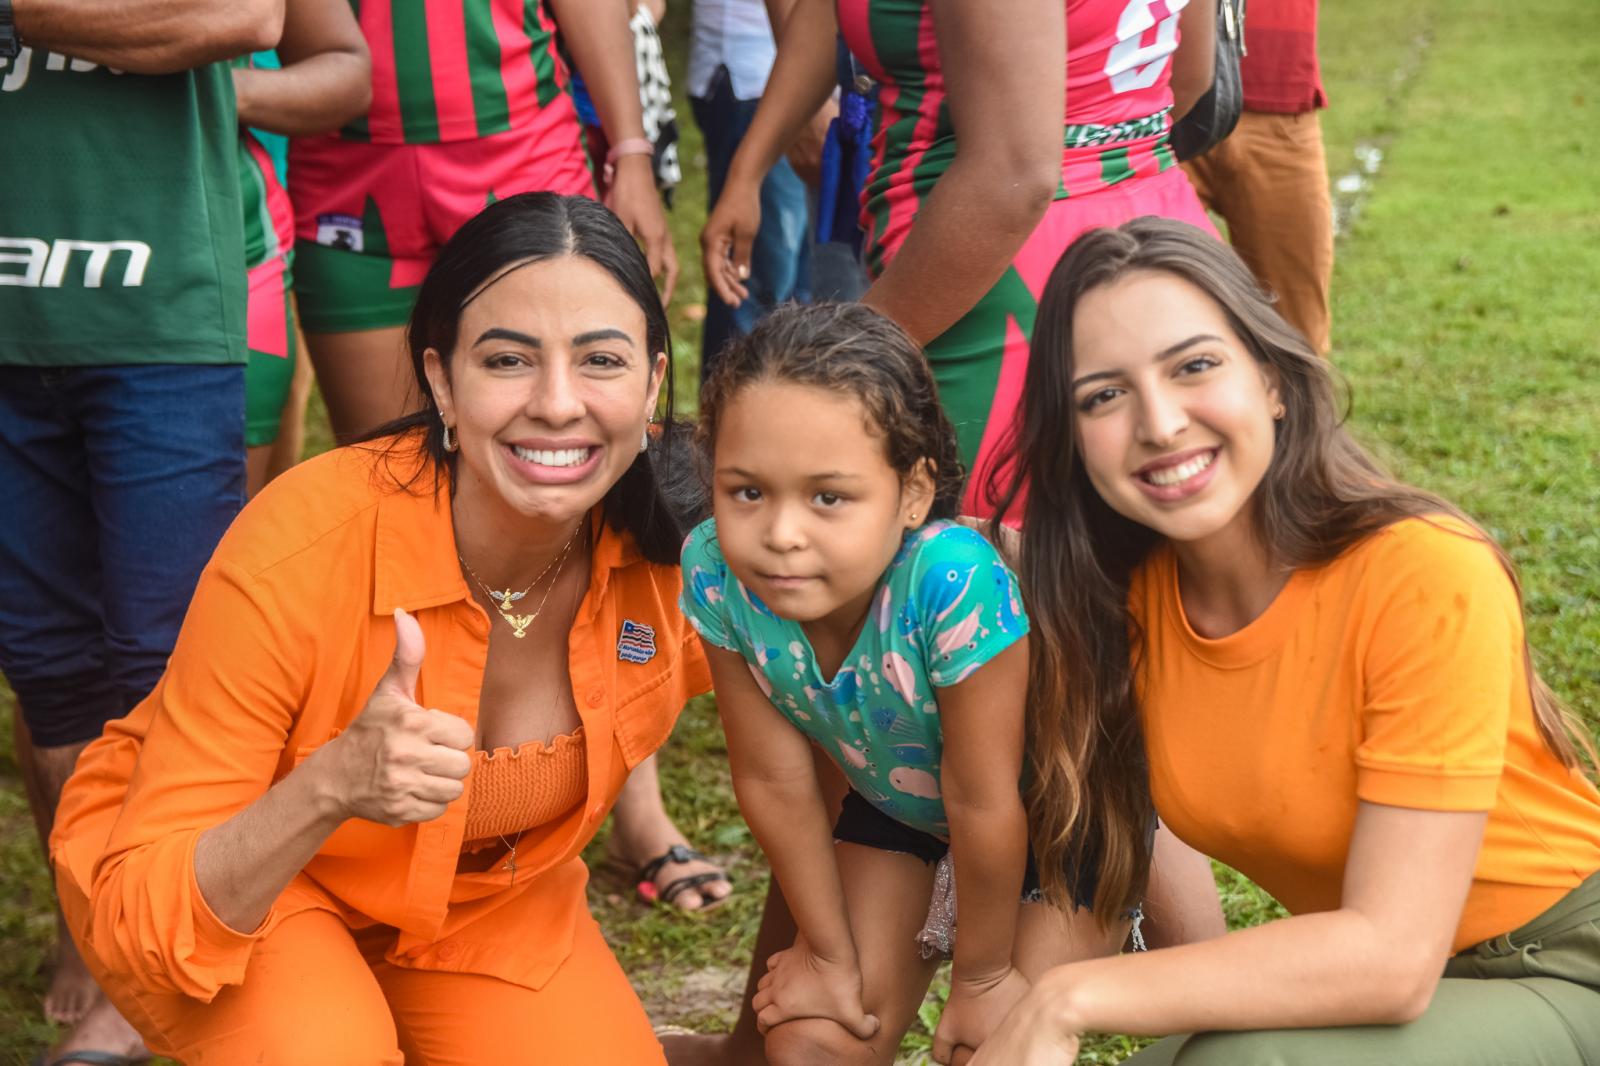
x,y
945,606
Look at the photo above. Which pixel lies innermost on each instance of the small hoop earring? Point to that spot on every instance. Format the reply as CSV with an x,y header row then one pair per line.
x,y
450,444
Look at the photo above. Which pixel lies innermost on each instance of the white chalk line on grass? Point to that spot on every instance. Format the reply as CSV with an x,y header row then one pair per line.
x,y
1351,190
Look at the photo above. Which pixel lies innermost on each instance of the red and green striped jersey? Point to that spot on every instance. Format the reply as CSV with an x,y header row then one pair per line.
x,y
1118,68
268,218
458,70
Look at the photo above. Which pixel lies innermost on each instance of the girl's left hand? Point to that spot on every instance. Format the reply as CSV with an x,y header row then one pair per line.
x,y
633,199
975,1010
801,984
1031,1035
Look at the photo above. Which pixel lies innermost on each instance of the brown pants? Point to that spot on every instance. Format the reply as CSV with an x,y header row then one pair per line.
x,y
1269,181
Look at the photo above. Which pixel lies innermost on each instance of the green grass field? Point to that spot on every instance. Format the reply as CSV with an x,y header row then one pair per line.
x,y
1465,320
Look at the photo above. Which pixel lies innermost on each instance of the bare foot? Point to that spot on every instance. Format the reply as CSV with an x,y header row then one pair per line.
x,y
711,1049
72,991
102,1029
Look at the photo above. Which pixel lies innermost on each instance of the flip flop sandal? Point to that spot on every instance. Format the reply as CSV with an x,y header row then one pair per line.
x,y
89,1058
645,879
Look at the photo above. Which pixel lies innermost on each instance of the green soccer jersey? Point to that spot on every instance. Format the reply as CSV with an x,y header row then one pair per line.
x,y
121,227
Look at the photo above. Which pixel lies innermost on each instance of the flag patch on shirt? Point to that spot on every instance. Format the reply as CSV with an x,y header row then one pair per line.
x,y
637,644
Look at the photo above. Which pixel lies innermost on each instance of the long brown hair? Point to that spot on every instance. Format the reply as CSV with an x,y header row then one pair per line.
x,y
1321,494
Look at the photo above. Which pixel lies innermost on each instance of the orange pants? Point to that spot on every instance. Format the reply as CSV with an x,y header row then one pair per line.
x,y
1269,181
317,994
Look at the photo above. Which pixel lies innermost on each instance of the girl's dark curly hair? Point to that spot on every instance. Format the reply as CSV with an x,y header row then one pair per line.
x,y
852,350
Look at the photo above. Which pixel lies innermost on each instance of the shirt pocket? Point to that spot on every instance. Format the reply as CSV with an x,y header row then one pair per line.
x,y
305,751
645,717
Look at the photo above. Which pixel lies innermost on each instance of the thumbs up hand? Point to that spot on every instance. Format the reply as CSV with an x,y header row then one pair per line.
x,y
398,762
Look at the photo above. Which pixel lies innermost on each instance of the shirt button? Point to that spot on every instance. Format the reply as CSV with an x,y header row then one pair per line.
x,y
596,696
449,951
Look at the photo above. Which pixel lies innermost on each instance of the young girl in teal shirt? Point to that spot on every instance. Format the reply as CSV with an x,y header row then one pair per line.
x,y
840,607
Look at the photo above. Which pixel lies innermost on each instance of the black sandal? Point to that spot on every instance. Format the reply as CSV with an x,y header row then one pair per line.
x,y
645,879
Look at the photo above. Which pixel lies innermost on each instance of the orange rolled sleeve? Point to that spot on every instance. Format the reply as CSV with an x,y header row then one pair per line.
x,y
225,705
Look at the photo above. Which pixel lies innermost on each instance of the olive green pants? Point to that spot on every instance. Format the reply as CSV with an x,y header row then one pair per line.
x,y
1529,997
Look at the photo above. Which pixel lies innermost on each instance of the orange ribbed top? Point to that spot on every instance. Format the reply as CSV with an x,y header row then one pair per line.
x,y
510,791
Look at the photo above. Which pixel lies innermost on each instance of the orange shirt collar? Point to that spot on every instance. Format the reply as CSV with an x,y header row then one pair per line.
x,y
414,559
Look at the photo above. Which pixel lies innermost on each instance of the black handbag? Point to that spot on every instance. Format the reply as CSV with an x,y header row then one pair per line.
x,y
1217,112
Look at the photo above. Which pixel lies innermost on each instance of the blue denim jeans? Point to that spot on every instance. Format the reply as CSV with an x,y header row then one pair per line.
x,y
117,484
780,258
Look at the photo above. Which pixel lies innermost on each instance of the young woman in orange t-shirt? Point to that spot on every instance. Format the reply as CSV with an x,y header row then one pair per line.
x,y
1334,685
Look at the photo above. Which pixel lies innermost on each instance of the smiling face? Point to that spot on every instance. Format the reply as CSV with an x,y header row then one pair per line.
x,y
809,511
549,389
1174,415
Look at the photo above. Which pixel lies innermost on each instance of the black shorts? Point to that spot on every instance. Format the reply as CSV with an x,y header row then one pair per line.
x,y
862,823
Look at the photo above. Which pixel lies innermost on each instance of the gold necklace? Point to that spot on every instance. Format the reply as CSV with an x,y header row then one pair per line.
x,y
511,859
504,599
510,865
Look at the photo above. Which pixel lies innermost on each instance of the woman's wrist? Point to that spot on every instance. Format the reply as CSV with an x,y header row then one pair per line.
x,y
630,146
631,164
842,954
634,155
321,783
243,102
741,177
979,977
1056,1004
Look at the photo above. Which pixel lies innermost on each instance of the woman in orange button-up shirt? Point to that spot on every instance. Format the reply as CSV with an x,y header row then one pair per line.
x,y
345,827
